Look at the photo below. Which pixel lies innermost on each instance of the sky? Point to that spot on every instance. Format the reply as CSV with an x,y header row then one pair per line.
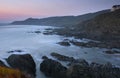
x,y
11,10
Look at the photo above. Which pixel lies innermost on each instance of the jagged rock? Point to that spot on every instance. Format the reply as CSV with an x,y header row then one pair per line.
x,y
81,62
112,52
25,63
44,57
37,32
2,64
105,71
52,68
62,57
63,43
15,51
78,71
69,59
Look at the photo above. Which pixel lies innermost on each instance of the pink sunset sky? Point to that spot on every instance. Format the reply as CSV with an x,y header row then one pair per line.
x,y
11,10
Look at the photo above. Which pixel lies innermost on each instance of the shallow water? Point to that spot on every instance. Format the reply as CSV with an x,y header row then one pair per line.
x,y
20,37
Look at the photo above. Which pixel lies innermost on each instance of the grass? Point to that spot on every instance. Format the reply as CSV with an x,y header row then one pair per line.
x,y
10,73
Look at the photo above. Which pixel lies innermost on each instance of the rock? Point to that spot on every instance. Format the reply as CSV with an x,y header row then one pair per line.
x,y
64,43
49,29
37,32
62,57
15,51
44,57
48,32
81,62
25,63
112,52
78,43
80,68
2,64
52,68
78,71
105,71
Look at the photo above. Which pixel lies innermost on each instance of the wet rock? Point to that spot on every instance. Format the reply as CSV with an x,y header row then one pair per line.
x,y
44,57
37,32
78,71
105,71
95,44
2,64
49,29
48,32
62,57
64,43
112,52
15,51
25,63
81,62
78,43
79,68
52,68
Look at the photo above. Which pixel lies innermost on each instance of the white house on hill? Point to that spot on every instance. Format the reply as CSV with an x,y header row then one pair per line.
x,y
115,7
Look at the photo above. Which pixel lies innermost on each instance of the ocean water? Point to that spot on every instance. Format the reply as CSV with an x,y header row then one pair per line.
x,y
21,37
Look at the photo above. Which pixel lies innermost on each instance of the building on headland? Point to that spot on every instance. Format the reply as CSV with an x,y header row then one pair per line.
x,y
115,7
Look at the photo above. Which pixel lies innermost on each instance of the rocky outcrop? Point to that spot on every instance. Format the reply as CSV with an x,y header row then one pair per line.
x,y
64,43
95,44
104,71
37,32
79,69
112,52
15,51
2,64
52,68
25,63
62,57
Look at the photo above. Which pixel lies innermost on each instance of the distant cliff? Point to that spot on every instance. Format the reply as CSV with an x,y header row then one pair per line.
x,y
59,21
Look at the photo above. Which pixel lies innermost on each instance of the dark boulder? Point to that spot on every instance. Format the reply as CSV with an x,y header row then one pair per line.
x,y
79,68
2,64
112,52
15,51
64,43
37,32
81,62
25,63
52,68
62,57
79,71
71,60
44,57
105,71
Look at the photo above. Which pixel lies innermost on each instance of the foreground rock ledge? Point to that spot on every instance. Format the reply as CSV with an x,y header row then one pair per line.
x,y
24,63
54,69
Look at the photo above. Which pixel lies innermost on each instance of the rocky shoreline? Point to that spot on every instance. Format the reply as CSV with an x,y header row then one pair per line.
x,y
78,68
69,32
23,63
74,68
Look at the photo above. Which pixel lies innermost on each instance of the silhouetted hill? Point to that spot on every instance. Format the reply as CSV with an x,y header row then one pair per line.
x,y
59,21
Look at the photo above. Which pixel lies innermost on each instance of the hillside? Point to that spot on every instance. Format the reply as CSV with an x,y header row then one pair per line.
x,y
103,27
59,21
